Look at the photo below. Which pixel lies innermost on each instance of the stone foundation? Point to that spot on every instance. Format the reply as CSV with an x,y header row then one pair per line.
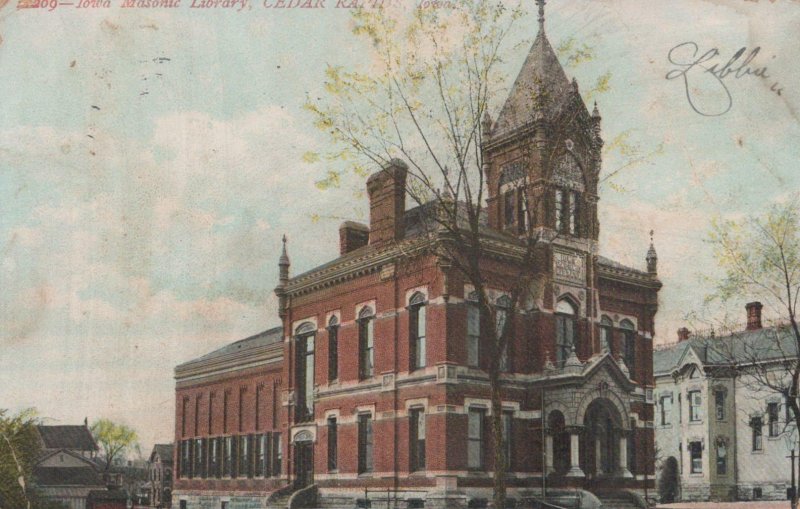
x,y
207,501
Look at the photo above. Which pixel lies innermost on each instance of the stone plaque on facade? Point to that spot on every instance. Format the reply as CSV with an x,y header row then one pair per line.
x,y
569,267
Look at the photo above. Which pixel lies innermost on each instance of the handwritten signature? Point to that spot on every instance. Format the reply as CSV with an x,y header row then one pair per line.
x,y
699,73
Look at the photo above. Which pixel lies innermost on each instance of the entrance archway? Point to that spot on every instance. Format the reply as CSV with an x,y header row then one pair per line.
x,y
603,441
556,426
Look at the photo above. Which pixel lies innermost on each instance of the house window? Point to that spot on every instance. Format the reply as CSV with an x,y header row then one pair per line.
x,y
666,409
277,454
473,330
366,343
227,457
695,402
333,439
416,438
333,348
755,424
508,208
213,458
199,459
416,327
507,425
244,457
719,404
722,458
522,211
629,343
606,334
503,331
186,463
696,457
260,456
475,437
772,419
364,443
565,331
304,371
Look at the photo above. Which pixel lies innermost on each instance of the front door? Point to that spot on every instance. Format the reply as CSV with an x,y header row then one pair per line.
x,y
303,464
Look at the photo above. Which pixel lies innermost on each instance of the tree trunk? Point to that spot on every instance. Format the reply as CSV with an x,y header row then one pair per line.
x,y
500,466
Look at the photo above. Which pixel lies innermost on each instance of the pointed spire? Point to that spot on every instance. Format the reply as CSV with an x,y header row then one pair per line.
x,y
652,257
283,264
595,111
541,14
486,123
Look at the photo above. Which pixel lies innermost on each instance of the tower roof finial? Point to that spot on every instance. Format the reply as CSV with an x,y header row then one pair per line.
x,y
541,14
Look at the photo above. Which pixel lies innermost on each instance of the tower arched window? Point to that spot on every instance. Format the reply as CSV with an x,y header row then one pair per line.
x,y
628,343
606,334
566,330
416,328
304,369
567,208
333,348
366,343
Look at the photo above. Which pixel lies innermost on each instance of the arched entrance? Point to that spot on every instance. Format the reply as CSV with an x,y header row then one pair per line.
x,y
605,446
669,481
303,459
559,437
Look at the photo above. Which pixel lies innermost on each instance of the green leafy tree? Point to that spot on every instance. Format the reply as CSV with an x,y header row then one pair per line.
x,y
19,449
114,439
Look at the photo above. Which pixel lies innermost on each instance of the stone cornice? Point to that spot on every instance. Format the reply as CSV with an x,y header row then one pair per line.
x,y
627,276
234,361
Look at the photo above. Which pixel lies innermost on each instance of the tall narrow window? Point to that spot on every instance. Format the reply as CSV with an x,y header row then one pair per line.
x,y
333,348
680,408
416,327
629,343
333,443
277,454
475,433
755,424
772,419
366,343
606,334
503,329
565,331
522,211
722,458
416,439
508,208
696,457
186,455
304,372
573,213
559,212
214,457
666,409
244,456
508,434
719,405
260,456
695,405
473,331
227,457
364,443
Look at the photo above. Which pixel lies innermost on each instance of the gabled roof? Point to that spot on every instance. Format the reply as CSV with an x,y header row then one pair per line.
x,y
268,337
541,85
164,452
77,438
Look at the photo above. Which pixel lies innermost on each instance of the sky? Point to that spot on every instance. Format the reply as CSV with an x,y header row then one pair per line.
x,y
151,159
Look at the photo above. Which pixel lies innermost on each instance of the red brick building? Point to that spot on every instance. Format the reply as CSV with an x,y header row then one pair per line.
x,y
379,377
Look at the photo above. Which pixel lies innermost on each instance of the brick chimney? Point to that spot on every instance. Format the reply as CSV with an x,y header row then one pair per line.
x,y
352,236
683,334
753,315
387,203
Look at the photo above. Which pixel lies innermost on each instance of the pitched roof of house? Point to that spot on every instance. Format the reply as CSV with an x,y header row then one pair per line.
x,y
67,476
164,452
67,437
740,347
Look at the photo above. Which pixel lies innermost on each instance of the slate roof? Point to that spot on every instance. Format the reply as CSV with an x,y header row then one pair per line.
x,y
67,476
76,438
541,85
268,337
611,263
742,348
164,451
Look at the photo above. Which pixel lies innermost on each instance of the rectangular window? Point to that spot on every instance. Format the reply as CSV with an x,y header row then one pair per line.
x,y
475,435
559,219
333,443
417,331
245,456
695,406
565,337
260,456
213,457
680,408
305,377
666,409
364,443
186,453
227,457
333,352
522,211
508,208
199,458
573,213
722,459
719,405
755,424
508,423
277,454
772,419
366,340
696,457
416,438
473,334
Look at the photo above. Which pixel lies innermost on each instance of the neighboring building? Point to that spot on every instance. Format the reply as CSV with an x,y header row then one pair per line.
x,y
728,437
227,429
160,475
108,499
75,438
384,387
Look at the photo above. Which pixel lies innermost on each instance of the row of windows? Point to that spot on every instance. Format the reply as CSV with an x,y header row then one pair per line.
x,y
241,456
695,400
566,213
